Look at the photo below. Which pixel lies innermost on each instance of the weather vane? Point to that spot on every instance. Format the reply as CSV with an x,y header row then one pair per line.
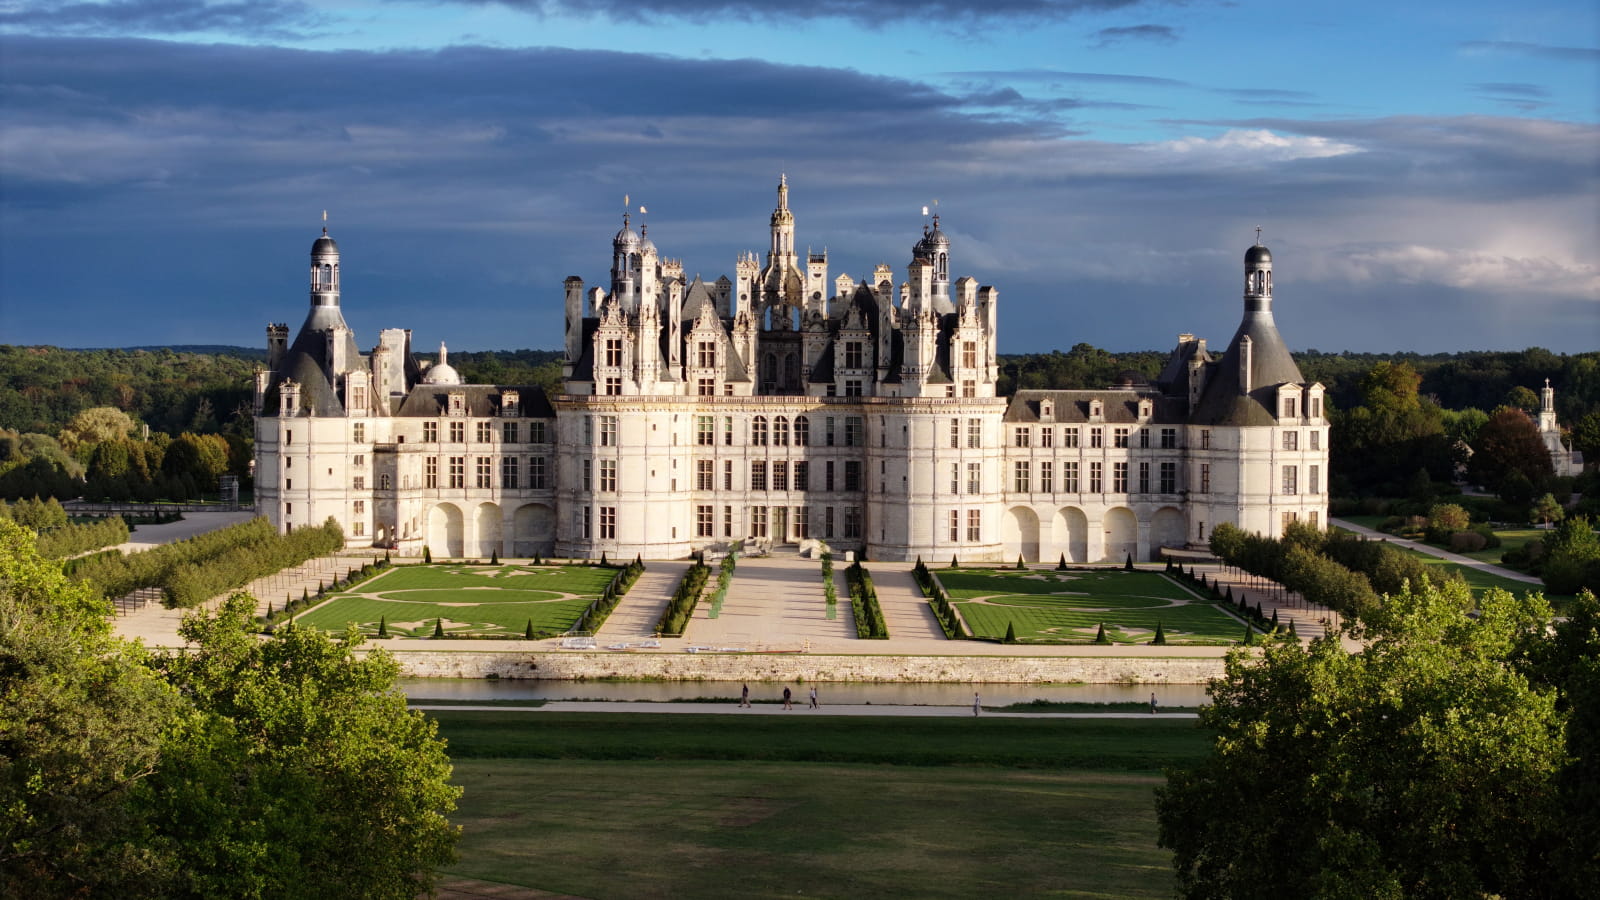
x,y
1258,235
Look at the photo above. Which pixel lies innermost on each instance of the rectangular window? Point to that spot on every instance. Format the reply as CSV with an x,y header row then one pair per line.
x,y
727,521
802,522
802,476
955,433
802,431
1291,407
484,472
852,475
827,522
458,471
758,476
608,523
1169,478
852,387
855,431
508,473
1144,438
614,352
974,525
969,388
1119,438
1096,481
608,431
1205,478
955,478
1047,437
780,476
1047,477
1312,518
1205,439
955,526
1314,483
727,474
458,432
536,433
1069,477
758,431
705,521
706,387
536,476
430,431
485,431
1291,440
608,475
359,528
1314,409
705,428
359,483
361,507
1144,478
1119,478
974,434
1069,438
827,475
974,478
360,432
1169,438
1291,479
430,472
1021,435
613,386
588,475
1289,517
852,522
1097,438
509,432
705,475
727,431
1021,480
706,354
758,521
1316,439
969,354
588,522
852,354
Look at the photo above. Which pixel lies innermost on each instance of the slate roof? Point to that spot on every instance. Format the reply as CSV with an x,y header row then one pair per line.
x,y
1120,407
482,400
1223,402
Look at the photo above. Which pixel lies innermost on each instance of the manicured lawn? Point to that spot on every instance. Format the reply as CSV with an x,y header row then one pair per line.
x,y
750,820
469,599
1046,605
1477,579
1510,539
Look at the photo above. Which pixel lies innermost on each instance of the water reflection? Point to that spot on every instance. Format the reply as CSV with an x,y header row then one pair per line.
x,y
899,693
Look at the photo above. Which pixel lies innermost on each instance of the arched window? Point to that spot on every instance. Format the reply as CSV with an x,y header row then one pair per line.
x,y
780,432
791,370
802,431
758,431
383,482
325,276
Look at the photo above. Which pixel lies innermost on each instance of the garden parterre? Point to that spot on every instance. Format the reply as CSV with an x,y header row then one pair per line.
x,y
1069,606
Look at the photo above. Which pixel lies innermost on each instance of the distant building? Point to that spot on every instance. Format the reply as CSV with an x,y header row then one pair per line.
x,y
1564,461
780,405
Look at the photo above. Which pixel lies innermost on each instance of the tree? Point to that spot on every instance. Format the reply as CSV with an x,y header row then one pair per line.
x,y
1011,633
1509,442
81,720
299,772
1424,765
1522,397
1586,436
92,426
1161,635
1546,509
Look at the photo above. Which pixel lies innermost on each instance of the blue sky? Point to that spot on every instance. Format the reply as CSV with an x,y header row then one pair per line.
x,y
1425,174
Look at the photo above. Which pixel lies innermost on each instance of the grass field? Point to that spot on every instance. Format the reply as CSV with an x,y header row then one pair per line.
x,y
1068,607
468,599
623,806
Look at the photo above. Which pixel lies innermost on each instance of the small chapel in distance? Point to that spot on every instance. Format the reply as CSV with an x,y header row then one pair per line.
x,y
777,406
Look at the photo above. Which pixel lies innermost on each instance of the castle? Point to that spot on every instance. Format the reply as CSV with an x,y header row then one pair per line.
x,y
779,406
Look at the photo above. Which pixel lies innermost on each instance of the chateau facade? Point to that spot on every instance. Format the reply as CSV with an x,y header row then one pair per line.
x,y
779,406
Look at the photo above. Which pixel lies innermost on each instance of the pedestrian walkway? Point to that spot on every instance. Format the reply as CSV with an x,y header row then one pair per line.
x,y
905,610
1440,553
800,709
635,618
775,603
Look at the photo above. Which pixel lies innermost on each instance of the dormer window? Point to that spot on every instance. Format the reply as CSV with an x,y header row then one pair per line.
x,y
1047,410
1146,408
510,404
1097,409
457,403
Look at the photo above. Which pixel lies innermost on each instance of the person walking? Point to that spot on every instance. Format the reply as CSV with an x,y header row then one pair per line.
x,y
813,698
977,705
1152,704
744,697
786,698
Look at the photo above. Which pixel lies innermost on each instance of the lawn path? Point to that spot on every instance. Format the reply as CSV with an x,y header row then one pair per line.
x,y
1433,551
776,709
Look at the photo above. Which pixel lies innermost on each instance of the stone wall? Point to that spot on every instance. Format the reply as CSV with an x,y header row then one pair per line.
x,y
579,666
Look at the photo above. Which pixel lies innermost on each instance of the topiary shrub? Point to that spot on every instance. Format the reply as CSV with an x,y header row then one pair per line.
x,y
1128,564
383,626
1011,633
527,633
494,557
1100,635
1019,562
1062,565
954,564
427,555
1161,636
1249,636
438,628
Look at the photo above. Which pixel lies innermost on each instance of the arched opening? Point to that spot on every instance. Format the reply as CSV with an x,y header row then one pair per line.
x,y
1020,534
1072,534
489,529
533,531
445,532
1168,528
780,431
1122,534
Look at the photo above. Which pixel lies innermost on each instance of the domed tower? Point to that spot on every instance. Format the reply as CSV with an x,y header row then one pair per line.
x,y
625,249
935,248
1258,279
325,271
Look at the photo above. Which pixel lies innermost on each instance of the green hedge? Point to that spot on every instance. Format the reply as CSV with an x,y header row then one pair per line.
x,y
864,604
72,539
676,616
601,608
949,622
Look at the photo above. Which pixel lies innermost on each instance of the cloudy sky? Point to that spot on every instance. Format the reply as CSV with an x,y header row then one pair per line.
x,y
1426,174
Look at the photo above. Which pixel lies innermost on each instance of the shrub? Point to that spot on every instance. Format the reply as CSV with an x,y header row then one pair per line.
x,y
438,628
1467,542
1011,633
675,618
383,623
527,632
1062,565
494,557
864,604
1100,635
1020,564
427,555
1128,564
1161,635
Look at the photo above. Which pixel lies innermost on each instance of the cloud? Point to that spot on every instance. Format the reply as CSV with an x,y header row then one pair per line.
x,y
1517,88
1575,54
1246,147
1159,34
1468,269
253,18
1053,75
866,12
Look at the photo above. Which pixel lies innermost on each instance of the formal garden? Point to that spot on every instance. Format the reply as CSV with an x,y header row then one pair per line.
x,y
466,600
1071,606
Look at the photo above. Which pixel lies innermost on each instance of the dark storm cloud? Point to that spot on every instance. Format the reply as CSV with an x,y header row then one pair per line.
x,y
1159,34
253,18
867,12
185,182
1548,51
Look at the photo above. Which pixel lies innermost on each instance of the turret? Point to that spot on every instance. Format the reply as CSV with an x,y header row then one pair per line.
x,y
574,342
625,265
325,270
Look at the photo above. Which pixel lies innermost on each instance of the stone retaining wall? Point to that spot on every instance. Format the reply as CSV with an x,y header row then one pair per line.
x,y
580,666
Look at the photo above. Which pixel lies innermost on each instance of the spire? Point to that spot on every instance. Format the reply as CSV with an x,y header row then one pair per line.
x,y
444,355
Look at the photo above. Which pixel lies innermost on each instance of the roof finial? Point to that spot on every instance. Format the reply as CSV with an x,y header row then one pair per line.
x,y
444,354
324,221
1258,235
